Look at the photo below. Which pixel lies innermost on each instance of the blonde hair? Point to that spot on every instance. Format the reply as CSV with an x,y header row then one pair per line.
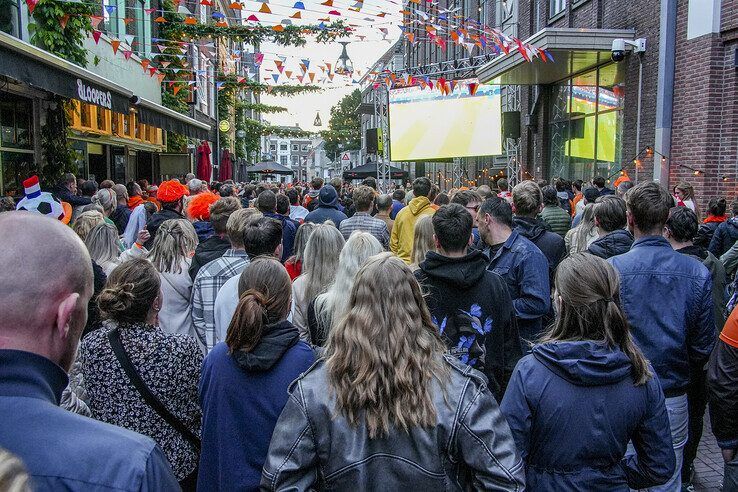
x,y
175,241
321,259
237,223
331,306
422,240
383,357
584,228
527,198
301,238
102,243
13,475
86,221
107,199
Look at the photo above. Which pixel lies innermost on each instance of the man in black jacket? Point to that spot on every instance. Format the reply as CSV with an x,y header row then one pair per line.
x,y
611,219
214,247
726,234
470,304
66,191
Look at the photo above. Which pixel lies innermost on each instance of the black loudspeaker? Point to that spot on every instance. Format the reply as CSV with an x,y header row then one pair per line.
x,y
511,124
371,140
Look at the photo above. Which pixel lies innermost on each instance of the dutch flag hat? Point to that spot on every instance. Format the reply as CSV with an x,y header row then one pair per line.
x,y
40,201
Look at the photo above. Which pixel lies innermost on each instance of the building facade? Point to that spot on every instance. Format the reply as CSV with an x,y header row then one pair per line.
x,y
294,153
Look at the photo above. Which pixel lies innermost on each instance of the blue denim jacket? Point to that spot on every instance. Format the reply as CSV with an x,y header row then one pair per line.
x,y
65,451
525,271
667,298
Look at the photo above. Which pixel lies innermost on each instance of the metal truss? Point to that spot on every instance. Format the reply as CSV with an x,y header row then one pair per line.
x,y
380,96
461,67
511,102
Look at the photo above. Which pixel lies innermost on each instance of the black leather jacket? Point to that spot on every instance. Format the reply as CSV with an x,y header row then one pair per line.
x,y
471,447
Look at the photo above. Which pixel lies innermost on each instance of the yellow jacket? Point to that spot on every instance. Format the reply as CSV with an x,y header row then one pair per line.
x,y
401,240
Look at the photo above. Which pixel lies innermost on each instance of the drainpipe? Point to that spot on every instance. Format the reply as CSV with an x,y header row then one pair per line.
x,y
665,91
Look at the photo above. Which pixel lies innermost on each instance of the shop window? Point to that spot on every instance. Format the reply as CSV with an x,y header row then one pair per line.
x,y
15,123
102,119
556,7
126,125
586,126
16,167
9,17
85,116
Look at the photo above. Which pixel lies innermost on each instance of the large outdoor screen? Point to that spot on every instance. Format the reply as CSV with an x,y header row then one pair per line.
x,y
425,124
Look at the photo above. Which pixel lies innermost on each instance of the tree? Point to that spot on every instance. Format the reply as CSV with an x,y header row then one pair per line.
x,y
344,127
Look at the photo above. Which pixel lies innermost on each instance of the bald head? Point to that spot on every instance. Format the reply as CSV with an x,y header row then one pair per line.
x,y
50,274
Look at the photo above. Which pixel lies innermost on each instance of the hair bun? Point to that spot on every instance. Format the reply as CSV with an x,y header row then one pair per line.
x,y
116,300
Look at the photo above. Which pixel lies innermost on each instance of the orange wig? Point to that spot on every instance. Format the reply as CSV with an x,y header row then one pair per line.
x,y
198,207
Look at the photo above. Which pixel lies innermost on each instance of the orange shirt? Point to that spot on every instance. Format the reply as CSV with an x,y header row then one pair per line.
x,y
729,334
135,201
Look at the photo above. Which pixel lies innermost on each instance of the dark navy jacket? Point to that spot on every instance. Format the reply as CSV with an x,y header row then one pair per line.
x,y
324,213
525,271
65,451
667,298
289,231
612,244
241,401
572,408
551,244
725,236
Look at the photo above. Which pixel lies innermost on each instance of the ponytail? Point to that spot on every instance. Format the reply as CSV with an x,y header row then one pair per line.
x,y
244,332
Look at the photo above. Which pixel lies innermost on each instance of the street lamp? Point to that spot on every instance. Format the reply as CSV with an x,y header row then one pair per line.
x,y
344,64
317,121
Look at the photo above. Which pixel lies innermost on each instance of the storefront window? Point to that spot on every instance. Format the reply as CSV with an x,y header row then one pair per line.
x,y
586,126
16,143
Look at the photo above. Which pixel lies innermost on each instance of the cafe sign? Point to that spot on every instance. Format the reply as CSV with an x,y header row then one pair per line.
x,y
94,96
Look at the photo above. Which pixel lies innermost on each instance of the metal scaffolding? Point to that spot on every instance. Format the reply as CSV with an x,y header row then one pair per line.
x,y
380,96
511,102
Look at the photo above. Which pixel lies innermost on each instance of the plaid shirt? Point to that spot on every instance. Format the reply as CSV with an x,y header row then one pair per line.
x,y
362,221
208,282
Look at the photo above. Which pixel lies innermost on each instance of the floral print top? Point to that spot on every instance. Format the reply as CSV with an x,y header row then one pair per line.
x,y
170,366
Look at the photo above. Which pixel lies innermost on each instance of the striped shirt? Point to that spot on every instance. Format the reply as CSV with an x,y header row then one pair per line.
x,y
362,221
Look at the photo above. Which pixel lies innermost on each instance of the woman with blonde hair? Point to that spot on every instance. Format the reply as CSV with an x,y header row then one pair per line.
x,y
105,248
422,241
244,383
586,391
386,404
329,308
684,197
579,238
86,222
171,255
106,198
318,272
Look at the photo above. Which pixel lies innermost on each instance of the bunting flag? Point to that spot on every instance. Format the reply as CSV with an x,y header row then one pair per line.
x,y
252,18
299,5
129,39
164,64
160,20
312,77
115,44
31,5
110,8
306,63
235,6
96,36
265,9
127,54
275,76
296,15
288,74
160,77
149,11
473,86
328,3
152,71
145,64
128,20
176,89
63,21
190,21
334,12
258,58
95,20
278,28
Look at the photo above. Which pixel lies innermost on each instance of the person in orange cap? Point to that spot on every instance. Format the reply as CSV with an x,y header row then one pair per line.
x,y
171,196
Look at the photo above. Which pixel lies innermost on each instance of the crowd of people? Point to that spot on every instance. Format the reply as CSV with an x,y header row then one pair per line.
x,y
262,336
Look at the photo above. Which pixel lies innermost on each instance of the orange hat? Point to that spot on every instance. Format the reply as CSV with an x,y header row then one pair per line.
x,y
171,191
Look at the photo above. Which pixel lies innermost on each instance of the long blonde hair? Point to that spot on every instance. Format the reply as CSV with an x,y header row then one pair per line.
x,y
332,305
175,241
584,229
422,240
102,243
321,260
385,355
86,221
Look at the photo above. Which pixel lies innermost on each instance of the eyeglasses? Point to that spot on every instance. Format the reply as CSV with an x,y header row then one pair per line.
x,y
472,208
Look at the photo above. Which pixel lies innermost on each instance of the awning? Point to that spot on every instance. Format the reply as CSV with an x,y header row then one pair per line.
x,y
575,51
370,170
269,167
156,115
26,63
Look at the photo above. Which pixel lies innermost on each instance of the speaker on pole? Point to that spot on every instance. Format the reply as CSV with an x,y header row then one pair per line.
x,y
511,124
371,140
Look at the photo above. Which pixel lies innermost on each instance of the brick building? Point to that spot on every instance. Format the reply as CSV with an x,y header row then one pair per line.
x,y
585,115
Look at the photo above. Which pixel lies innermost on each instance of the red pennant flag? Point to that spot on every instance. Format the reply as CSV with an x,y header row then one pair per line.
x,y
31,5
334,12
252,18
63,21
241,80
145,64
149,11
115,43
152,71
96,36
473,87
127,54
329,66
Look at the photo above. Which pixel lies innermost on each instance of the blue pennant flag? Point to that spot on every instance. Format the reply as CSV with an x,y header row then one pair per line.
x,y
299,5
275,76
306,63
111,8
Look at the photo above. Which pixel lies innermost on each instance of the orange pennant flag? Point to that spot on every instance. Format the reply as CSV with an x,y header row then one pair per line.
x,y
296,15
288,73
160,20
145,64
235,6
191,21
177,88
410,37
128,20
265,9
328,3
115,43
160,76
278,28
221,23
63,21
312,76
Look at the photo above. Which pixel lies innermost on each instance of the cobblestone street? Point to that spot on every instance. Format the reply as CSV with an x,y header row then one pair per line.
x,y
709,463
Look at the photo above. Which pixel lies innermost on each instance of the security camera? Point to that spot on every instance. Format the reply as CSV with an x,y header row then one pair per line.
x,y
134,100
618,50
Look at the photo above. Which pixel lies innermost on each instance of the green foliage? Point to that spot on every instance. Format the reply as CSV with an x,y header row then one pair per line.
x,y
55,148
261,108
344,127
253,35
67,42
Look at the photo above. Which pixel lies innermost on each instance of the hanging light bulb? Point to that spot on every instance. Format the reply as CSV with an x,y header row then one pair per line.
x,y
317,121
